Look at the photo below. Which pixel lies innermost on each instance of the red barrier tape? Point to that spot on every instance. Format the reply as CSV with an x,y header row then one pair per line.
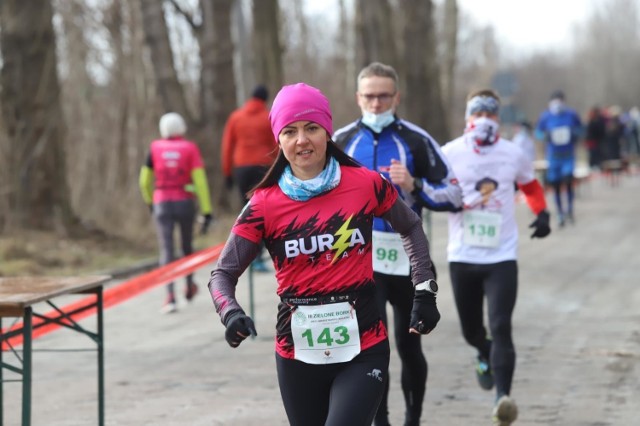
x,y
118,294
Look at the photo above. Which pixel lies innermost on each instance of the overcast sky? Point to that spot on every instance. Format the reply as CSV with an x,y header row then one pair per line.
x,y
539,24
525,25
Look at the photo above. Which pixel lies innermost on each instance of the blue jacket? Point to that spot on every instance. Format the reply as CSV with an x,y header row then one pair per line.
x,y
414,147
560,132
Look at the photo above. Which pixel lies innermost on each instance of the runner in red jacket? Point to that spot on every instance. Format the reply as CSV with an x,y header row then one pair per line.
x,y
248,149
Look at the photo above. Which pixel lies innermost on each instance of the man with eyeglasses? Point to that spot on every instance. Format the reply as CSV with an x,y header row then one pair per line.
x,y
411,159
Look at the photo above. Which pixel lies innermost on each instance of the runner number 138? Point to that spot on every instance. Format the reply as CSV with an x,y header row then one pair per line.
x,y
482,230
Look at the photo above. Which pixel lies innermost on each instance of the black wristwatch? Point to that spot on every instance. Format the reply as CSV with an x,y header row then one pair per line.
x,y
429,285
418,184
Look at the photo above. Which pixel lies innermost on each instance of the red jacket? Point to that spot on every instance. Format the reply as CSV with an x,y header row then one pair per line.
x,y
247,138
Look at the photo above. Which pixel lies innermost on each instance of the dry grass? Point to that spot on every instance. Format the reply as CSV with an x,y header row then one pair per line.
x,y
44,253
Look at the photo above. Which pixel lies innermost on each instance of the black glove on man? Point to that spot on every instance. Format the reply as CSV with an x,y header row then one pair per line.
x,y
541,225
424,314
239,327
206,221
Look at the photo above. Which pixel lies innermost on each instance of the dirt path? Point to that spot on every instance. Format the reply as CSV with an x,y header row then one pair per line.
x,y
577,333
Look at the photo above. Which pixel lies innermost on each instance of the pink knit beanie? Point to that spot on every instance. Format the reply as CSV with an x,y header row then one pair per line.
x,y
300,102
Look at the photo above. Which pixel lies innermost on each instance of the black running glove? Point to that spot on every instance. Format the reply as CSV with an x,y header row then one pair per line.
x,y
541,225
424,314
239,327
206,221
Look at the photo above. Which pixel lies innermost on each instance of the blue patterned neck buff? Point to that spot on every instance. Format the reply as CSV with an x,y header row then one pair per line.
x,y
303,190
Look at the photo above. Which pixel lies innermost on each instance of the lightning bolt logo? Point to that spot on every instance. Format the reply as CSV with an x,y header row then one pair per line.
x,y
342,243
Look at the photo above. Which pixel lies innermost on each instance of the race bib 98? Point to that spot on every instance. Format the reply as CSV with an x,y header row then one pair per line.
x,y
389,256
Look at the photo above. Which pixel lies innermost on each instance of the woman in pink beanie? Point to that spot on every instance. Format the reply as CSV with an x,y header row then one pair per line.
x,y
314,212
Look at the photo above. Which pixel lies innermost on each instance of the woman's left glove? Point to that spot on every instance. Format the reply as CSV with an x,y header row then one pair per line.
x,y
425,314
239,327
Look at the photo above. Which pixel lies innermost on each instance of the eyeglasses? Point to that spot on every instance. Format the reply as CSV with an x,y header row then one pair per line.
x,y
382,97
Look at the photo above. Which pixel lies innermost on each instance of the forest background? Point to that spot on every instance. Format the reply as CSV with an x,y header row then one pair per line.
x,y
84,82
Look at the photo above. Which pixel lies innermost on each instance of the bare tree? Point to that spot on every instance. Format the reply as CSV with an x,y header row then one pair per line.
x,y
267,47
346,45
109,100
157,38
217,87
217,97
423,102
121,64
38,193
613,56
375,33
245,80
450,43
538,77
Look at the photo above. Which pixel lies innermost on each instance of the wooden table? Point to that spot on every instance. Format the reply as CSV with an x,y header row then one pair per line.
x,y
17,297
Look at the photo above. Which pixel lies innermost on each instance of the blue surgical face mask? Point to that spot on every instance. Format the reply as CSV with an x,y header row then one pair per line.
x,y
556,106
377,122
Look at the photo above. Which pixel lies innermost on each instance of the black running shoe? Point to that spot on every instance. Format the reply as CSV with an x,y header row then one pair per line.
x,y
484,373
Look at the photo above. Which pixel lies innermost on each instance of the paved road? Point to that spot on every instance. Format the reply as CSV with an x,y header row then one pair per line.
x,y
577,331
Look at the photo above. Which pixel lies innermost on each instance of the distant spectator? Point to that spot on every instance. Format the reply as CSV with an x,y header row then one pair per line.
x,y
614,134
594,137
249,149
633,130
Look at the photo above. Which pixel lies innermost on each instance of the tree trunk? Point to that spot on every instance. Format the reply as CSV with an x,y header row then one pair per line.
x,y
243,52
157,38
450,52
423,103
345,41
218,90
375,34
267,48
38,194
114,22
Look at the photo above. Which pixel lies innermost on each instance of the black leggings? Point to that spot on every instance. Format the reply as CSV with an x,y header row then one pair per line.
x,y
342,394
398,291
499,283
167,215
247,177
567,182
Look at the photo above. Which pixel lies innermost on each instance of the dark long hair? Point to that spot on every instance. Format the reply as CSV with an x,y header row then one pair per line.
x,y
277,168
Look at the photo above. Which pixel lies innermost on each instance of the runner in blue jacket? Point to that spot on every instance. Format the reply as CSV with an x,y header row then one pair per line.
x,y
560,127
411,159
